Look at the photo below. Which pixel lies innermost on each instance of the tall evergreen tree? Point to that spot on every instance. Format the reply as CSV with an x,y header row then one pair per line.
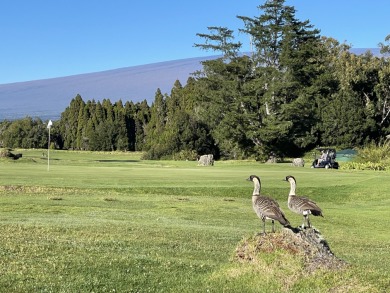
x,y
122,139
285,64
142,118
342,121
220,39
69,122
220,101
156,125
253,92
130,114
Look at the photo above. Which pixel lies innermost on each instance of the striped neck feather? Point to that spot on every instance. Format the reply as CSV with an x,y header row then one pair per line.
x,y
292,187
256,190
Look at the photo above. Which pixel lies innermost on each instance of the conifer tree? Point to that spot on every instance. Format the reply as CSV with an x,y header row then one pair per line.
x,y
122,139
69,122
142,118
155,128
130,114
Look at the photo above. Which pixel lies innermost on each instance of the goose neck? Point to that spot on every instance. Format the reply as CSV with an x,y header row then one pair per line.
x,y
292,187
256,189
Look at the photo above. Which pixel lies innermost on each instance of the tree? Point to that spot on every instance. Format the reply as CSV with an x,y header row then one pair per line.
x,y
156,125
24,133
220,39
343,121
382,89
220,90
69,122
130,113
385,46
121,125
142,118
247,96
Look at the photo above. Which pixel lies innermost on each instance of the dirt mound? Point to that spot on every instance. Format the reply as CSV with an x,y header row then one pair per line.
x,y
308,244
5,153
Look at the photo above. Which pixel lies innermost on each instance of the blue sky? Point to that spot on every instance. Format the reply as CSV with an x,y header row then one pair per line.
x,y
45,38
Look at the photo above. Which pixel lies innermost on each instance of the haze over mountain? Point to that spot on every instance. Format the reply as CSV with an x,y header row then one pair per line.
x,y
48,98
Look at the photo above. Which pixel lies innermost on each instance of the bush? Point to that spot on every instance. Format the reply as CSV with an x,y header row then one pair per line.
x,y
365,166
374,153
185,155
371,157
4,153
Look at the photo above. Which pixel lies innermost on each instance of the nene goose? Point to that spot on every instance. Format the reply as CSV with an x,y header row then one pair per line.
x,y
265,207
301,205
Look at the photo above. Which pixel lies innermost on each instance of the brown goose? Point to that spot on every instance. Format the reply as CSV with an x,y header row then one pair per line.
x,y
301,205
265,207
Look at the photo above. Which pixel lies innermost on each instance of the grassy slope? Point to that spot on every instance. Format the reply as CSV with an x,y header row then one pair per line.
x,y
99,222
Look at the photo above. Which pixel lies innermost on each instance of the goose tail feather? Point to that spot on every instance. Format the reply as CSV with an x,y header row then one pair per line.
x,y
316,213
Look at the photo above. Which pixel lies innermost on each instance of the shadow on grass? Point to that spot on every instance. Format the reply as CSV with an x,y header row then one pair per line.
x,y
51,159
117,161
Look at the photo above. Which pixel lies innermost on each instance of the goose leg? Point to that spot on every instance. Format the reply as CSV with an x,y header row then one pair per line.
x,y
304,222
308,222
273,226
264,226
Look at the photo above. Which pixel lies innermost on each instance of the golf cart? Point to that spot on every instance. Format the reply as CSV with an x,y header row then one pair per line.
x,y
326,159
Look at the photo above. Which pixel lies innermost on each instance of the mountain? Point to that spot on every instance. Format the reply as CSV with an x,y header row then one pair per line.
x,y
48,98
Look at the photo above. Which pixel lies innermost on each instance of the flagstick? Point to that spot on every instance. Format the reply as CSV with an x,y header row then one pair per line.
x,y
48,153
48,146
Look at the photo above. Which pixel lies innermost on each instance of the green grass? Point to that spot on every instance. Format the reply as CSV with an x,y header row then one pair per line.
x,y
109,222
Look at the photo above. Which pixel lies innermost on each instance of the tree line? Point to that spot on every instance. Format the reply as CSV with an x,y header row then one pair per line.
x,y
294,91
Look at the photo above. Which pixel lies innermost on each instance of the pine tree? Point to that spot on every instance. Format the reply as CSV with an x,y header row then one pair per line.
x,y
122,139
283,65
142,119
130,114
69,122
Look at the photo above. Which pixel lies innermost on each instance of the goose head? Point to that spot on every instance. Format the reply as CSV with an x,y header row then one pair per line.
x,y
293,184
290,179
253,178
256,183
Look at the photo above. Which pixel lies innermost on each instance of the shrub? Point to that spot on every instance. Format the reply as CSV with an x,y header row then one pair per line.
x,y
365,166
185,155
374,153
372,157
4,153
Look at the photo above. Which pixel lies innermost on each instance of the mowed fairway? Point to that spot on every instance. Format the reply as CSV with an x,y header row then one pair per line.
x,y
101,222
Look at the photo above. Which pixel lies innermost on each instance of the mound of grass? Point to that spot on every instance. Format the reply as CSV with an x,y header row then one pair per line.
x,y
289,262
308,246
6,153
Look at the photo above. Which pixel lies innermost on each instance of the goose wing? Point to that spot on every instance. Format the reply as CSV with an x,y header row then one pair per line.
x,y
303,203
269,208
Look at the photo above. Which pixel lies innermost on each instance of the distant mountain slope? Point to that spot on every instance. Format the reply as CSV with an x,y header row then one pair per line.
x,y
48,98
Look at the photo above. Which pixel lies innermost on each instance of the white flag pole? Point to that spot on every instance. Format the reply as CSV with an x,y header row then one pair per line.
x,y
48,145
